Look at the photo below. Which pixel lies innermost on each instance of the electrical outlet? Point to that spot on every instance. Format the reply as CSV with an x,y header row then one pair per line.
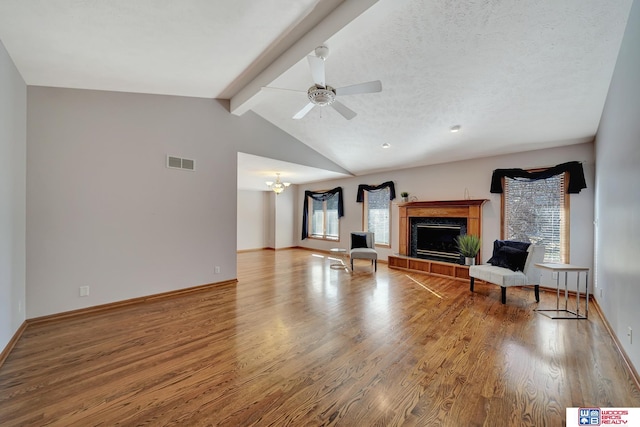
x,y
600,292
84,291
630,335
217,269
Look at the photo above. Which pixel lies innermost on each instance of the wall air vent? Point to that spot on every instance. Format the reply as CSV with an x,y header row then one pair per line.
x,y
179,163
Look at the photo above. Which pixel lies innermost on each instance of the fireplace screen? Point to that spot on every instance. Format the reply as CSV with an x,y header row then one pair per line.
x,y
438,241
435,238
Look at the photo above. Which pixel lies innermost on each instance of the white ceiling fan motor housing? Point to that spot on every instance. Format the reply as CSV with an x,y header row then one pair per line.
x,y
322,52
321,96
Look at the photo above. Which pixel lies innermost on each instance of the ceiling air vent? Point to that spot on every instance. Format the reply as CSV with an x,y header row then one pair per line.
x,y
179,163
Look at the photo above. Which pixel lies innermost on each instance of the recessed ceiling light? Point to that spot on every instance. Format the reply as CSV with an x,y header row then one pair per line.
x,y
455,129
386,145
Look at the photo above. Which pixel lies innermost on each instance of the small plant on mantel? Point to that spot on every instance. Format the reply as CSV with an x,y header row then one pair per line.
x,y
405,196
469,246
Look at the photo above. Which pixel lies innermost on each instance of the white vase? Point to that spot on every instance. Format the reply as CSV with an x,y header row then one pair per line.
x,y
469,260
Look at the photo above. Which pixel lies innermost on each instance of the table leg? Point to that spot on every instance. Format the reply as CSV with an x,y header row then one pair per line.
x,y
338,255
577,293
566,291
557,291
586,311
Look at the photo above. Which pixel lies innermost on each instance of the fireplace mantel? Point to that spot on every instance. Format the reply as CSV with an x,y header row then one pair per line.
x,y
469,209
439,203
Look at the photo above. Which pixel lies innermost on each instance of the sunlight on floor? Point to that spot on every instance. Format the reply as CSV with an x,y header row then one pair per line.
x,y
425,287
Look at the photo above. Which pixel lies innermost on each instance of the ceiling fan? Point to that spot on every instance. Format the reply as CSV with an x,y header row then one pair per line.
x,y
322,95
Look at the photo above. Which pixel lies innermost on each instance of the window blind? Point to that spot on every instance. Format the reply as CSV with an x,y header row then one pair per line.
x,y
537,212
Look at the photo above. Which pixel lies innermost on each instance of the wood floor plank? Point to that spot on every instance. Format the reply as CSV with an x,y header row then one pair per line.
x,y
295,342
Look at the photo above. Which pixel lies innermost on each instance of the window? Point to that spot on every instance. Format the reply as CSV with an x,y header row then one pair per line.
x,y
538,212
324,222
321,212
377,214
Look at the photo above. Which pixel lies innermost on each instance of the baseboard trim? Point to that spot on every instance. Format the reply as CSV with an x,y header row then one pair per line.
x,y
12,343
569,292
326,251
288,248
124,303
311,249
630,368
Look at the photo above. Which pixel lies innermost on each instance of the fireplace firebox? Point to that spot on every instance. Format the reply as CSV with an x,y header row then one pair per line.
x,y
435,238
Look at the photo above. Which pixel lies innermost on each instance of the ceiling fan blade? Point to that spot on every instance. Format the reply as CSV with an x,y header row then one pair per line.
x,y
368,87
317,70
300,114
346,112
280,89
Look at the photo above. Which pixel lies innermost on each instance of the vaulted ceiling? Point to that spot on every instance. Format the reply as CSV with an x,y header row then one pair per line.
x,y
514,75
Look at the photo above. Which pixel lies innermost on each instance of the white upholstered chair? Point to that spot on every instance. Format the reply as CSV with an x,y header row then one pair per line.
x,y
363,247
505,277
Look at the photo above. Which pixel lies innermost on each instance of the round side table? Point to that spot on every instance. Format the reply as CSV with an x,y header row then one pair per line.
x,y
338,254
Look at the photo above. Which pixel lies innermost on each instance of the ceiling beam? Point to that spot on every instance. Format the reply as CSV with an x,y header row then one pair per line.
x,y
340,17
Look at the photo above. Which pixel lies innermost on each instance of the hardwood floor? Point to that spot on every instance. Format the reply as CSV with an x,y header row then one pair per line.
x,y
295,342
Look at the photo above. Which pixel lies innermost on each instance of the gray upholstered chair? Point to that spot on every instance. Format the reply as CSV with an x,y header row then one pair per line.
x,y
363,247
505,277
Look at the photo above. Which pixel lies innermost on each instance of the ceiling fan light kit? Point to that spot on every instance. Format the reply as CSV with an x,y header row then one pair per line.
x,y
321,96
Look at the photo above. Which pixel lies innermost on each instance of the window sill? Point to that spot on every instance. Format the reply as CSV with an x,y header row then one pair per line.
x,y
325,239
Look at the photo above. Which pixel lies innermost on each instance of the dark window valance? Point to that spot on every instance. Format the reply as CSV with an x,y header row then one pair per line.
x,y
364,187
320,196
576,176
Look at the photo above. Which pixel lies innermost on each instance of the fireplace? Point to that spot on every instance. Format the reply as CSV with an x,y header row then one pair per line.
x,y
435,238
439,223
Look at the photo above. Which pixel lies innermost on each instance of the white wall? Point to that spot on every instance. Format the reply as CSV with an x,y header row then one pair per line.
x,y
449,182
104,211
253,220
13,146
618,195
266,220
260,138
271,220
284,218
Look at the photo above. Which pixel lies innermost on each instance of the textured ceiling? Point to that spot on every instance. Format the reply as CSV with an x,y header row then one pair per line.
x,y
515,75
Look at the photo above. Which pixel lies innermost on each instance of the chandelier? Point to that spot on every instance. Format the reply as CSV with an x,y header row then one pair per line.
x,y
278,186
